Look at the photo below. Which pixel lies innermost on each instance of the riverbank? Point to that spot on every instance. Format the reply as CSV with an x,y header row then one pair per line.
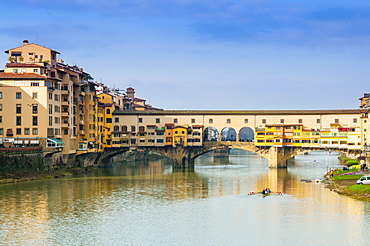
x,y
349,188
38,175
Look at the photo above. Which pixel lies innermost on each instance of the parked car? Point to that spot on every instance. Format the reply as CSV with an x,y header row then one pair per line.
x,y
364,180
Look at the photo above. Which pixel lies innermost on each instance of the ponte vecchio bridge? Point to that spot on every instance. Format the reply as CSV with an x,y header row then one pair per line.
x,y
276,135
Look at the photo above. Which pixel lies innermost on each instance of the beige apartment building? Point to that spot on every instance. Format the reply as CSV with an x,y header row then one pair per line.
x,y
44,101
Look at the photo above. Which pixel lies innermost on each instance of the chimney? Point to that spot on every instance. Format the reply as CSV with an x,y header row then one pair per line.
x,y
25,42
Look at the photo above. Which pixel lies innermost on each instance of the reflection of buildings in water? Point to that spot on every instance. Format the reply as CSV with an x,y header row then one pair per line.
x,y
277,179
184,185
23,210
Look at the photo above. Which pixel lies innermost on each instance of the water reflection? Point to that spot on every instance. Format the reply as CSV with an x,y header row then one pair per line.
x,y
126,204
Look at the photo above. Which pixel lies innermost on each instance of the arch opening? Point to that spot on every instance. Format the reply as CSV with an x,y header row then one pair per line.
x,y
228,134
210,134
246,134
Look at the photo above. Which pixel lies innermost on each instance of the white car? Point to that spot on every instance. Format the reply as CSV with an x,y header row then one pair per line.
x,y
364,180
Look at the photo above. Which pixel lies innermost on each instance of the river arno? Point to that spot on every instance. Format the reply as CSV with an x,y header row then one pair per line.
x,y
148,204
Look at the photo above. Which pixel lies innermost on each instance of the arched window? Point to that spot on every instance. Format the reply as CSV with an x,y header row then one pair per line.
x,y
115,128
124,128
108,111
141,128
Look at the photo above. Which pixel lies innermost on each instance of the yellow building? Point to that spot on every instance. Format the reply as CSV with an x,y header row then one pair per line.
x,y
180,134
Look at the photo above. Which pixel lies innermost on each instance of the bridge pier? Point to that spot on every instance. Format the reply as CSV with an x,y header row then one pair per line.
x,y
278,157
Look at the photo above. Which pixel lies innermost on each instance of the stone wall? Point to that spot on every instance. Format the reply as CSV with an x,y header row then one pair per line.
x,y
11,163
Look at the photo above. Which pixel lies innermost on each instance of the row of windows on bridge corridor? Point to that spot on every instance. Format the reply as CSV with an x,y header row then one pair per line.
x,y
228,121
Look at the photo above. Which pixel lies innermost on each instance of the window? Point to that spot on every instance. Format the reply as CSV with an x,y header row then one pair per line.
x,y
263,121
337,121
300,121
35,84
281,121
15,70
124,128
1,131
354,120
26,131
228,121
1,107
34,95
133,128
1,95
35,70
108,111
18,109
34,121
192,121
318,121
109,120
18,95
1,119
18,120
116,120
175,121
18,131
211,121
50,120
65,132
245,120
50,95
157,120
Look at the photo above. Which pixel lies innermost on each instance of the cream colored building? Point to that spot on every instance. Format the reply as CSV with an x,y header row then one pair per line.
x,y
43,98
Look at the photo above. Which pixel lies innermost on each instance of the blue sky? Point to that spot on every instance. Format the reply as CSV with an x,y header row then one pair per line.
x,y
227,54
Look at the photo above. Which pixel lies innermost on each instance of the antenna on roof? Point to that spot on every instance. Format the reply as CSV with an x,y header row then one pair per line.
x,y
37,38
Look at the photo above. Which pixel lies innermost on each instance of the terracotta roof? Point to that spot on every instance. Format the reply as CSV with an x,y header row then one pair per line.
x,y
7,51
22,76
23,65
139,99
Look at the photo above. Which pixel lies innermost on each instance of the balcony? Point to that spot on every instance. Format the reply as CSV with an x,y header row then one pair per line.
x,y
65,113
65,92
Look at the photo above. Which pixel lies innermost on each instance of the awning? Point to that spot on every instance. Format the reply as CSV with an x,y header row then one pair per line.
x,y
54,143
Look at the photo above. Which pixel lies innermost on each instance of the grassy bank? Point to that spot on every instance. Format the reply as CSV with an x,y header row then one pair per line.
x,y
29,176
361,192
344,183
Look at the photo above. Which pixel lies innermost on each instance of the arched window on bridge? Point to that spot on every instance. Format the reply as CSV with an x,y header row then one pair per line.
x,y
228,134
115,128
246,134
141,128
210,134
